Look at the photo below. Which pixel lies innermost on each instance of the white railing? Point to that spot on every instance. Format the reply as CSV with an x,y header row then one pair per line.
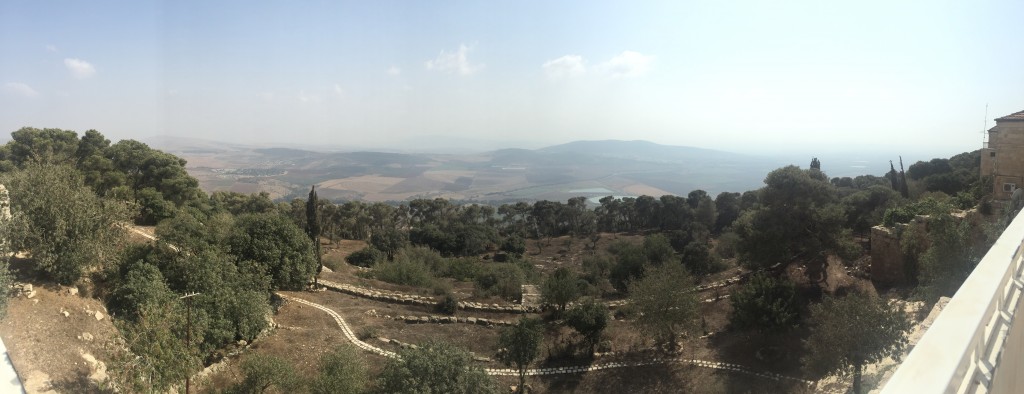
x,y
976,345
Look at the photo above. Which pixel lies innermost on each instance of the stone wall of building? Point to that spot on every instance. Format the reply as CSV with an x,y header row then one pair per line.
x,y
1006,141
887,263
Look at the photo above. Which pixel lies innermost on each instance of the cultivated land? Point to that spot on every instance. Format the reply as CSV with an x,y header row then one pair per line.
x,y
590,169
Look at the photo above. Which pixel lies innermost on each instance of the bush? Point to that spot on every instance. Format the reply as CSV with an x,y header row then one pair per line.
x,y
726,245
342,371
514,244
434,367
366,333
263,371
934,203
764,304
502,280
403,271
448,305
365,257
699,260
461,268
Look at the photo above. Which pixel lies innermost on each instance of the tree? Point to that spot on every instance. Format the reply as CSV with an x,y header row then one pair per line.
x,y
342,371
154,355
42,146
764,304
389,241
630,263
560,288
61,222
276,244
799,217
949,258
848,332
697,258
664,304
313,228
434,368
365,257
520,345
658,249
589,319
727,206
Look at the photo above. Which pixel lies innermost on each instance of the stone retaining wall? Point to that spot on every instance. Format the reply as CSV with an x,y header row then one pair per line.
x,y
437,319
410,299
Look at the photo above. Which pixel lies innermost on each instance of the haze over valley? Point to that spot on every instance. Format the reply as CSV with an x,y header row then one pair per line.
x,y
592,169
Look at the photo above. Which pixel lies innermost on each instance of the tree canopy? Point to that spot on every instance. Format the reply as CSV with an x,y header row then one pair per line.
x,y
849,332
434,368
664,303
798,217
520,345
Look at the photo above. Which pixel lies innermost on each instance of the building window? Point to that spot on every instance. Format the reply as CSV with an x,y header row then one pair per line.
x,y
1009,187
991,154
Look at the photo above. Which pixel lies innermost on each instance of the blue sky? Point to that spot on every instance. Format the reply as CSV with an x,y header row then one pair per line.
x,y
749,76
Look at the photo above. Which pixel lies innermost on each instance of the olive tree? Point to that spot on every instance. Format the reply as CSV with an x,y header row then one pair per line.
x,y
560,288
664,305
520,345
849,332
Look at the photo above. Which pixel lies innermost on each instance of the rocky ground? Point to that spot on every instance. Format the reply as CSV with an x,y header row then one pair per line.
x,y
57,339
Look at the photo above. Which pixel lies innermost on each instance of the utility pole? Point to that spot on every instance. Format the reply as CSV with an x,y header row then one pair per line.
x,y
188,335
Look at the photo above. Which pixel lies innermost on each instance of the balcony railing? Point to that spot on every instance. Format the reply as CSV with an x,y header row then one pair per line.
x,y
976,345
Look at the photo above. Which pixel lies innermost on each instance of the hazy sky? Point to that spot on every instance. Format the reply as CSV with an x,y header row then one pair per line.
x,y
732,75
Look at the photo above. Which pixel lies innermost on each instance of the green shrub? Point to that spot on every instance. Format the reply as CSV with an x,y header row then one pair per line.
x,y
932,204
461,268
365,257
403,271
765,304
726,245
502,280
448,305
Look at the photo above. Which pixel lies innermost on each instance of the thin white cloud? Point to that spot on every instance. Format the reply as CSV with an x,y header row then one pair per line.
x,y
338,90
627,64
454,62
20,89
51,48
79,68
394,70
567,66
308,98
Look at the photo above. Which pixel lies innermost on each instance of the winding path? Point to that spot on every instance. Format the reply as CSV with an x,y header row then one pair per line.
x,y
556,370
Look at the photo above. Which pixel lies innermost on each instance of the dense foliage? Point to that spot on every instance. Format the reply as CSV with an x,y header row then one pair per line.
x,y
71,196
852,331
57,219
764,304
434,368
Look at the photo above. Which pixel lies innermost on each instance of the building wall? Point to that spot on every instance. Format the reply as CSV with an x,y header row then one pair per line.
x,y
1006,142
